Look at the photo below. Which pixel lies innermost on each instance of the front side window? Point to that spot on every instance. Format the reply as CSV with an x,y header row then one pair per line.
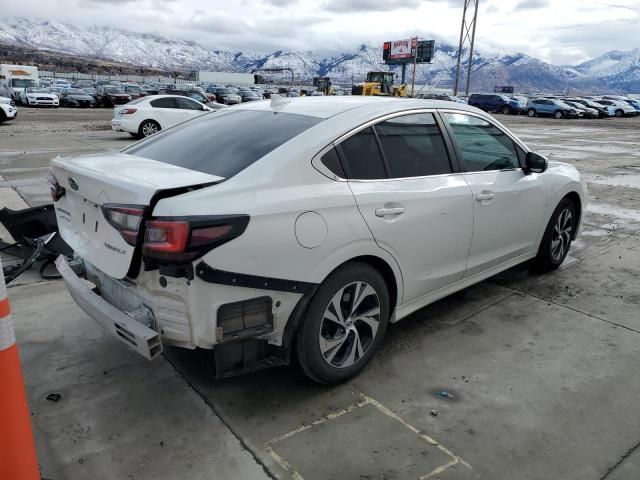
x,y
483,146
413,146
363,156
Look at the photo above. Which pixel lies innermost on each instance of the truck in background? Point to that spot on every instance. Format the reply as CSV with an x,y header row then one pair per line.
x,y
15,78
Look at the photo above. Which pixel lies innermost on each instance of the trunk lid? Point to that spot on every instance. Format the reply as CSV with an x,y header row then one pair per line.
x,y
93,181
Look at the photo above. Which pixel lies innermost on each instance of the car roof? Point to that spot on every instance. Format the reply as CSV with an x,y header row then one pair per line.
x,y
329,106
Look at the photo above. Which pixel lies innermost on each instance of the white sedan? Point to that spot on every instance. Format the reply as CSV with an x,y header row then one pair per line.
x,y
148,115
303,226
38,96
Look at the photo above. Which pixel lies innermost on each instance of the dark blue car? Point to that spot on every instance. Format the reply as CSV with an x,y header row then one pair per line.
x,y
491,102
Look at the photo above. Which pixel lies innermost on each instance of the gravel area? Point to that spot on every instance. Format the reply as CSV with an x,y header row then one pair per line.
x,y
57,120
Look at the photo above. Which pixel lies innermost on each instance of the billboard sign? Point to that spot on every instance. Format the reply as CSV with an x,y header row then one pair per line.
x,y
404,51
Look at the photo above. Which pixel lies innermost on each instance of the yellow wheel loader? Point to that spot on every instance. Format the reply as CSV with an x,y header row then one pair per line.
x,y
381,84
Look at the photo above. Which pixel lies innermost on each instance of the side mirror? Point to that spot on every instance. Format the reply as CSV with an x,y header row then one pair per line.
x,y
535,163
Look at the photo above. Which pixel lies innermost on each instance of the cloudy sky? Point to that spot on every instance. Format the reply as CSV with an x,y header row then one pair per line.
x,y
558,31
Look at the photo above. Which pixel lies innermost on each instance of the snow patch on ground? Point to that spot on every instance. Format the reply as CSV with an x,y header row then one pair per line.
x,y
624,215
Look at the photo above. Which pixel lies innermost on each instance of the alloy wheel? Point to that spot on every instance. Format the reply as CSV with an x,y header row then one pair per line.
x,y
561,238
349,324
149,129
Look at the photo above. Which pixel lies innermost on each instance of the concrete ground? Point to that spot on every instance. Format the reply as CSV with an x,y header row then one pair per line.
x,y
542,369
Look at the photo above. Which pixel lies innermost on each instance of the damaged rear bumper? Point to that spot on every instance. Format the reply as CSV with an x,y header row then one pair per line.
x,y
133,328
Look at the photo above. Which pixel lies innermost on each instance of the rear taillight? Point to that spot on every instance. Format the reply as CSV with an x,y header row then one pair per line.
x,y
177,240
127,111
57,191
126,219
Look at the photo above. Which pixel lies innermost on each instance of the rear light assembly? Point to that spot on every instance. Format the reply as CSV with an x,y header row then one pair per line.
x,y
128,111
183,239
57,190
126,219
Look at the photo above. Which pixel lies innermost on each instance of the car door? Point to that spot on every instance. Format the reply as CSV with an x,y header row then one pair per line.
x,y
417,205
166,112
508,203
190,108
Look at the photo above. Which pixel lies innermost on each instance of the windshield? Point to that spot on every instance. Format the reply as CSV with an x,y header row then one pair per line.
x,y
223,91
23,82
223,143
133,88
37,90
113,90
74,91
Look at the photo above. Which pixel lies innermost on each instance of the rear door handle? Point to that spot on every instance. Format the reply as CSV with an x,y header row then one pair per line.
x,y
383,212
485,195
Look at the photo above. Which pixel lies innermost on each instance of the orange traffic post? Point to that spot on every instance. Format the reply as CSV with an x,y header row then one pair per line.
x,y
18,459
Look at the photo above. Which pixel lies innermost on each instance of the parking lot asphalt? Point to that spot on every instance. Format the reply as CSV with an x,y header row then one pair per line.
x,y
542,369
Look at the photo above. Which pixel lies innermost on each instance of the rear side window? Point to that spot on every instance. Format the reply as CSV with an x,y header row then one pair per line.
x,y
363,156
332,162
166,102
225,142
187,104
413,146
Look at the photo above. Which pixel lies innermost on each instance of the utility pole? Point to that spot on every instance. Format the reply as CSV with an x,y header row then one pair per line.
x,y
467,38
415,62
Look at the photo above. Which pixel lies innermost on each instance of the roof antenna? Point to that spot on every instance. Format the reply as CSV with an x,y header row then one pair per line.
x,y
278,101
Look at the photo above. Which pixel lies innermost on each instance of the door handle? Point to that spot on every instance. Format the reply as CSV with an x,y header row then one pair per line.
x,y
383,212
485,195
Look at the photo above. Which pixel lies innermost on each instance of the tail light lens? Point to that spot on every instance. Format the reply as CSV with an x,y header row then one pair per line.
x,y
126,219
57,191
178,240
128,111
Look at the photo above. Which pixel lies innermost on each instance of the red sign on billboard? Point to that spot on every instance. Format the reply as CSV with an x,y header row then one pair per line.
x,y
402,48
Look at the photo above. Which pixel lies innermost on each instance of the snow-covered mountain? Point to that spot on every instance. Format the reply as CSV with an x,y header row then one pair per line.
x,y
615,70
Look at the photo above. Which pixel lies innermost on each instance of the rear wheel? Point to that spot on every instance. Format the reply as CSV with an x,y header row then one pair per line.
x,y
344,324
506,110
557,237
148,127
531,112
558,114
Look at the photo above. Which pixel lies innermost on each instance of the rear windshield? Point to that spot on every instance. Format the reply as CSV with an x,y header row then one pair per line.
x,y
223,143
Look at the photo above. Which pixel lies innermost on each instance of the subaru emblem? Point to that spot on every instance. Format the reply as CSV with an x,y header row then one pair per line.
x,y
73,184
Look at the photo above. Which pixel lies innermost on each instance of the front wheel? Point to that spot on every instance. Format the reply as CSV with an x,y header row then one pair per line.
x,y
558,114
344,324
531,112
619,113
506,110
557,237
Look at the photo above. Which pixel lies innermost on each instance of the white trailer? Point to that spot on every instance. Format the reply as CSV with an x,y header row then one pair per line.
x,y
226,78
15,78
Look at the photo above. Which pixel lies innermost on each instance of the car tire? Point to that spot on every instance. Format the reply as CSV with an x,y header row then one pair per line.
x,y
557,237
619,113
323,325
148,128
506,110
531,112
558,114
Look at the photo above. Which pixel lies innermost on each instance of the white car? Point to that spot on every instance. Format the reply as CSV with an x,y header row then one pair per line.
x,y
619,108
8,110
38,96
304,225
145,116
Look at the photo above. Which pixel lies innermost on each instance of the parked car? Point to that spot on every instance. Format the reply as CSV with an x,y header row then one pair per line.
x,y
440,96
226,96
228,232
38,96
83,84
109,95
603,110
587,112
250,96
76,97
148,115
621,109
8,110
134,90
491,102
62,84
550,108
